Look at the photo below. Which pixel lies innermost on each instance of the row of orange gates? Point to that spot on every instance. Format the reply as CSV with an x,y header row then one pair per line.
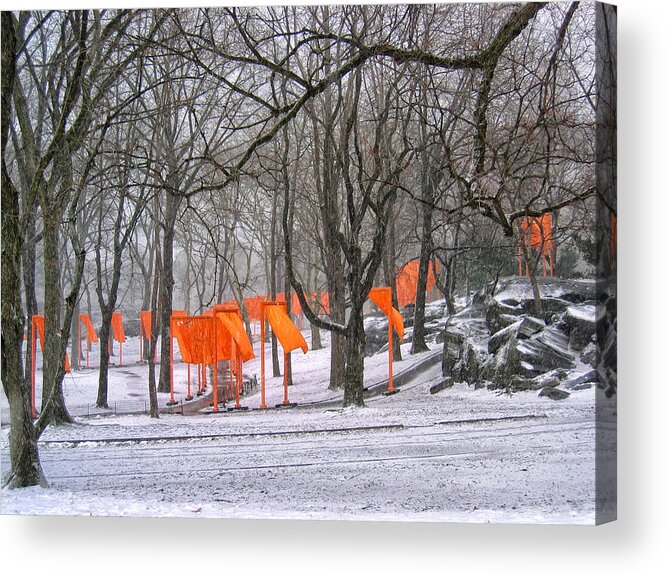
x,y
219,335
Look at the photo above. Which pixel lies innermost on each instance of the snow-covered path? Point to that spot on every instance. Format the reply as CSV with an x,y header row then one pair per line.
x,y
456,456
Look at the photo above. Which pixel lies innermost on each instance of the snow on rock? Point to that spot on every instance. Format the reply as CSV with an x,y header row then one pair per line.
x,y
518,351
581,322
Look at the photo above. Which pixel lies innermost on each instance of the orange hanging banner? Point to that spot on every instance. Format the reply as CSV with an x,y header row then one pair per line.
x,y
38,322
117,325
180,326
381,297
537,233
90,329
407,279
253,307
146,319
233,324
287,333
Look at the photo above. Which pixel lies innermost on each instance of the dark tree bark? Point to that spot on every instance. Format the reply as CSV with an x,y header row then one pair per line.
x,y
152,348
53,399
167,282
354,368
29,289
155,319
418,340
26,468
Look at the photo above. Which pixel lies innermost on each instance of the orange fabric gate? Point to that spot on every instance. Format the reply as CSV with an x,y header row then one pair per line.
x,y
382,297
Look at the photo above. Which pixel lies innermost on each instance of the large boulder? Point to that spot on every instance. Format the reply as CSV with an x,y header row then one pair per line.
x,y
581,323
453,344
547,350
500,315
506,366
524,328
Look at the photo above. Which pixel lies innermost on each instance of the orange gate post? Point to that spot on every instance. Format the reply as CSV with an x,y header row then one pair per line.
x,y
33,348
172,400
145,330
285,400
382,298
118,333
188,397
263,359
390,351
289,336
216,408
91,336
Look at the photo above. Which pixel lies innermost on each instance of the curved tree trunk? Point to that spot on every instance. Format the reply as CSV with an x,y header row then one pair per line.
x,y
338,343
26,469
418,338
53,400
166,291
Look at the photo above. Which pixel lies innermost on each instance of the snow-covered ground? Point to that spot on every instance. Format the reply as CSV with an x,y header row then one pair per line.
x,y
459,455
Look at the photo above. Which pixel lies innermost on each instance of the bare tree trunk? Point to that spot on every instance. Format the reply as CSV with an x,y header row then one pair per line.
x,y
428,196
29,269
152,383
104,336
356,338
337,315
315,334
532,257
152,348
75,360
166,289
147,274
450,265
26,469
53,399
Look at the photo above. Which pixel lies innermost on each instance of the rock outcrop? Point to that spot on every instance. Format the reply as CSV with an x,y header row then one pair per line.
x,y
558,353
